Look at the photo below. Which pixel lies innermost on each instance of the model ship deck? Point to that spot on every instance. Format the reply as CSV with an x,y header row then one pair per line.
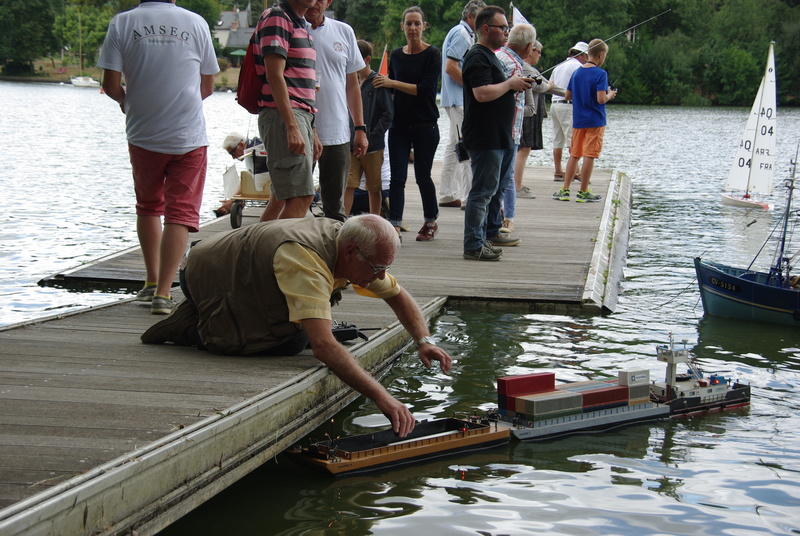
x,y
375,450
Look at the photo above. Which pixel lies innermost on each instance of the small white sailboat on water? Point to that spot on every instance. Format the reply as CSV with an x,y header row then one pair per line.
x,y
752,168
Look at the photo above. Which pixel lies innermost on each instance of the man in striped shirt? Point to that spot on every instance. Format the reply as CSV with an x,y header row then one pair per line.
x,y
287,106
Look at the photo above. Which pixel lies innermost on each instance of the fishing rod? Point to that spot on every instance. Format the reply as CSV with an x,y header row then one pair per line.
x,y
612,37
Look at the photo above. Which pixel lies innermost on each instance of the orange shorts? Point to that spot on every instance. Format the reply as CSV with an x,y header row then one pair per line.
x,y
587,142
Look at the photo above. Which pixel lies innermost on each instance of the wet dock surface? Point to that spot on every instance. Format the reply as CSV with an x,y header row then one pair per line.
x,y
102,433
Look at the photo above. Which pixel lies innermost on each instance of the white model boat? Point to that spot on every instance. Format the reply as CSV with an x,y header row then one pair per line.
x,y
84,81
752,168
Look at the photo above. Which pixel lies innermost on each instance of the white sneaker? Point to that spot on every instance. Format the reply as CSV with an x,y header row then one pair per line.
x,y
525,193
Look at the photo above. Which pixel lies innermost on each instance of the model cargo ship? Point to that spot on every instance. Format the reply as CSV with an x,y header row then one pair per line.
x,y
691,392
375,450
535,408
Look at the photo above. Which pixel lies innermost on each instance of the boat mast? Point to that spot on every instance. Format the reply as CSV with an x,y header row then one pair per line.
x,y
780,260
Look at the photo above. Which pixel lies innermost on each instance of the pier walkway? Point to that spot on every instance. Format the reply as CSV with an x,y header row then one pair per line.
x,y
104,435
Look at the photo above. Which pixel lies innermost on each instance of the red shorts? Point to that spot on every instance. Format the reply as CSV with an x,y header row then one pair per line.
x,y
587,142
169,185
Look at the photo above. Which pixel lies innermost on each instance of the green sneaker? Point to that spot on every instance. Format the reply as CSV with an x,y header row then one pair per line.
x,y
587,197
561,195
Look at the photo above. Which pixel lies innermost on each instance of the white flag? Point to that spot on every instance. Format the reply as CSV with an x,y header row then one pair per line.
x,y
516,16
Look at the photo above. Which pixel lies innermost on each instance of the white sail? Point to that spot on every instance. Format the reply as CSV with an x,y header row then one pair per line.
x,y
752,166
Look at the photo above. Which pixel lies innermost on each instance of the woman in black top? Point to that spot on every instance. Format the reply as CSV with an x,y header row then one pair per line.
x,y
414,72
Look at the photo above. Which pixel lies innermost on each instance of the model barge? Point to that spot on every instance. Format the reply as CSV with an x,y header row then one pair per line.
x,y
375,450
535,408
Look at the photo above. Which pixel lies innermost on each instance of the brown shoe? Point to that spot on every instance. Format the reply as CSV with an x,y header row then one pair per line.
x,y
428,231
454,204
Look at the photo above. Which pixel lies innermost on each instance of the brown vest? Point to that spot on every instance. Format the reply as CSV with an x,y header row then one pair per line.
x,y
231,279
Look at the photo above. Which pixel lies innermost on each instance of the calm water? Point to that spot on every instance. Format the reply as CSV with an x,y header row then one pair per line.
x,y
68,199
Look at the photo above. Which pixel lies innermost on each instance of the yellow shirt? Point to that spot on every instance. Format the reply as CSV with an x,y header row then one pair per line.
x,y
307,283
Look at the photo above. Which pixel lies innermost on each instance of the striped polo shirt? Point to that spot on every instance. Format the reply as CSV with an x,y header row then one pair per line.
x,y
281,31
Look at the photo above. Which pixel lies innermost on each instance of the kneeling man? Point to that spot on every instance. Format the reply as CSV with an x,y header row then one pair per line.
x,y
267,289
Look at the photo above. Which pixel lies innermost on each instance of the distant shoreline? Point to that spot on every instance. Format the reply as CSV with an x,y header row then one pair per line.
x,y
46,74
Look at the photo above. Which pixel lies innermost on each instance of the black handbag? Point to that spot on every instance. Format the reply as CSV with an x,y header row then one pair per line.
x,y
461,151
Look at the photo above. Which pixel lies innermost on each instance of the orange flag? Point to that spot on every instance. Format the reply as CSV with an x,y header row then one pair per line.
x,y
384,68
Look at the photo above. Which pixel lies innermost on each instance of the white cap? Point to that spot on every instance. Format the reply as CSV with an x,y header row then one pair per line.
x,y
581,47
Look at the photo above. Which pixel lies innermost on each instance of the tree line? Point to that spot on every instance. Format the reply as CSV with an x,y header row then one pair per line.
x,y
696,52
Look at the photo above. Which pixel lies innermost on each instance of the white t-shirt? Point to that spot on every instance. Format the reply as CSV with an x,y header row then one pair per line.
x,y
337,56
161,49
563,73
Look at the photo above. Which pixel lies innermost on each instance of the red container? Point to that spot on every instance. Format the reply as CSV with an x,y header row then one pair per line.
x,y
605,395
526,384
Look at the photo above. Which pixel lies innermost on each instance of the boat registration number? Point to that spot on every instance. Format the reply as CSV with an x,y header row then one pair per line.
x,y
725,285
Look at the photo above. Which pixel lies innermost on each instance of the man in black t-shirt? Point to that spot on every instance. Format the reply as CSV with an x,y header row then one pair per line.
x,y
488,117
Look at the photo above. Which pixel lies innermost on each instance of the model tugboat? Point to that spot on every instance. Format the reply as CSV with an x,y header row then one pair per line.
x,y
375,450
691,392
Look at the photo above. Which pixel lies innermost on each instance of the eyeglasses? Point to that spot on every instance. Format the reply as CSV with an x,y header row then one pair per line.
x,y
503,28
375,269
232,150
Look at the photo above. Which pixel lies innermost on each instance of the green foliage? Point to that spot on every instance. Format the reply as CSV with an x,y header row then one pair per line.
x,y
24,33
81,29
701,51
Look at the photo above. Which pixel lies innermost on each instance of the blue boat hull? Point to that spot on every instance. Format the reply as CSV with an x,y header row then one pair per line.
x,y
738,293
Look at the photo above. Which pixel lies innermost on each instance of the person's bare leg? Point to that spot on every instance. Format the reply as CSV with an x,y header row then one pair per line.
x,y
586,173
273,210
148,229
557,154
520,160
375,200
348,200
572,167
296,207
173,246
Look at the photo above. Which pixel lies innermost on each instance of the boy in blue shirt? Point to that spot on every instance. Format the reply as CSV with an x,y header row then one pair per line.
x,y
589,92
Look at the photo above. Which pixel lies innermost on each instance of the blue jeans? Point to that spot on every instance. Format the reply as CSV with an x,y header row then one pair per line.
x,y
510,192
490,172
424,140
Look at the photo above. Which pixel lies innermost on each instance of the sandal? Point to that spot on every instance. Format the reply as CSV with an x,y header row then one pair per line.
x,y
558,176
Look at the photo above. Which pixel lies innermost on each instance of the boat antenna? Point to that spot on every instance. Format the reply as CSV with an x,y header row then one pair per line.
x,y
626,30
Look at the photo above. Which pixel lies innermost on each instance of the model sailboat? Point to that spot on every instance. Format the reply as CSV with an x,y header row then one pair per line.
x,y
752,168
772,296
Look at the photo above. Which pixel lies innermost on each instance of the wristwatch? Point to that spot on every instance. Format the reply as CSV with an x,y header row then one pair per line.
x,y
423,340
362,128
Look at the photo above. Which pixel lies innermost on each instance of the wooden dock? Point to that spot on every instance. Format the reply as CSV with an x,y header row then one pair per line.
x,y
103,435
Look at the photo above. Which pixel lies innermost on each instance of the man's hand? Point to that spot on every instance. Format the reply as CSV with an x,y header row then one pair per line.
x,y
517,83
317,146
295,140
431,352
401,418
360,144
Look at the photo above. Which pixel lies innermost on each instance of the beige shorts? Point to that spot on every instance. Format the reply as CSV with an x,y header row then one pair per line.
x,y
370,164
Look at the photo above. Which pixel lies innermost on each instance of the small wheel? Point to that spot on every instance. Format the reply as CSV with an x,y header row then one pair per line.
x,y
236,214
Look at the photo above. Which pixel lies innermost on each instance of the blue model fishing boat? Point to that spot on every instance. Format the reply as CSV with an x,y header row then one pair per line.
x,y
772,296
